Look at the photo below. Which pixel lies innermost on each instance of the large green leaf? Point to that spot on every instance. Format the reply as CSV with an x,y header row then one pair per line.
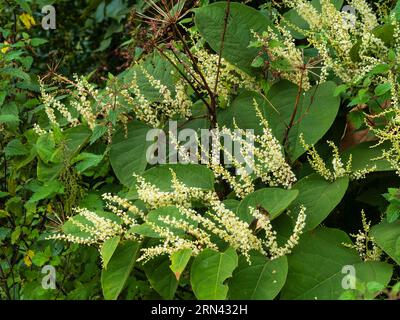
x,y
108,248
161,277
242,19
47,190
274,200
294,18
319,197
260,280
387,236
209,271
7,118
316,111
73,140
157,67
113,279
365,155
128,154
15,73
45,147
315,265
315,114
16,148
242,111
372,271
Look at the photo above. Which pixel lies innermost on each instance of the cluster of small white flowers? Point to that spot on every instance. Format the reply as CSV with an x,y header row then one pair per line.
x,y
273,168
80,101
51,104
391,131
52,117
220,222
269,164
338,168
270,243
38,130
154,198
240,236
229,77
171,244
83,104
123,203
392,155
199,230
296,72
180,105
364,243
242,182
166,107
143,107
99,229
334,34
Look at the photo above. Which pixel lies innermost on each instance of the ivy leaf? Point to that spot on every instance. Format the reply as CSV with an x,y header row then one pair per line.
x,y
114,278
209,271
263,279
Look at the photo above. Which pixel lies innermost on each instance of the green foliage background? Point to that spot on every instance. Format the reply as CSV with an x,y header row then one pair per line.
x,y
43,178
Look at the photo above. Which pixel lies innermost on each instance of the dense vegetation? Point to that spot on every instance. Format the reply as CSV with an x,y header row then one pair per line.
x,y
107,193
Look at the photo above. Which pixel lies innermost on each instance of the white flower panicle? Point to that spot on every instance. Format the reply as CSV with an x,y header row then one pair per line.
x,y
181,195
265,160
196,231
165,107
364,243
335,34
98,228
338,169
223,223
38,130
270,242
230,78
286,51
